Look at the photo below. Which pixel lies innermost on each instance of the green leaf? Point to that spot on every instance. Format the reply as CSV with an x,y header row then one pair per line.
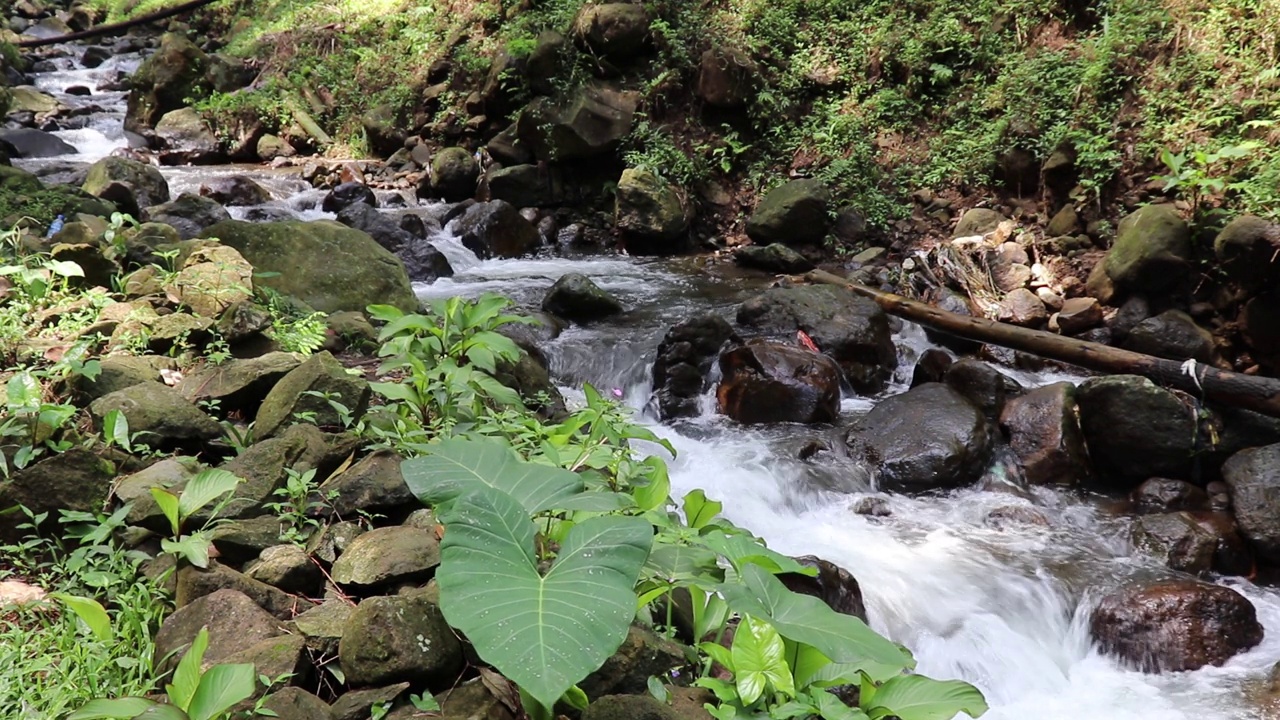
x,y
831,707
89,611
843,638
759,661
168,503
186,678
656,493
699,511
116,427
204,488
193,547
545,633
162,712
575,698
718,654
683,562
741,550
916,697
23,392
65,268
118,709
221,687
457,466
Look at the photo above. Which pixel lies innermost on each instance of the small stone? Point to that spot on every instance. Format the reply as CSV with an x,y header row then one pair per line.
x,y
1022,307
289,568
1079,314
1051,299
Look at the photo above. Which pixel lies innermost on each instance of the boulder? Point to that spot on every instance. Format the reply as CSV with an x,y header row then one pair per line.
x,y
529,377
32,143
75,480
1176,540
263,468
472,699
322,374
294,703
269,147
1246,251
575,297
833,585
497,229
1152,250
649,213
684,359
932,366
983,385
615,31
642,655
629,707
1260,323
977,221
1253,477
1232,555
234,622
359,704
390,639
774,258
1165,495
164,81
239,541
422,260
372,485
386,557
1174,625
227,73
160,412
211,280
928,438
283,655
346,194
522,185
1045,435
1022,307
128,183
454,175
1172,334
26,98
324,264
187,138
726,77
238,385
854,331
121,371
382,127
322,626
189,214
235,191
1079,314
1122,412
769,382
591,122
794,213
334,540
289,568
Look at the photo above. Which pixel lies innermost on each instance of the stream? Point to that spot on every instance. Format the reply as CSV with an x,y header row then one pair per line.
x,y
1005,609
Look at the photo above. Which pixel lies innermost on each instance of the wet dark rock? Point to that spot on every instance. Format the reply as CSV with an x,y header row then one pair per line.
x,y
164,81
1172,334
1151,252
952,302
390,639
95,56
1232,556
1078,315
1164,495
422,260
522,185
496,229
932,367
161,412
642,654
774,258
1175,625
1045,435
1015,516
76,480
872,506
189,214
833,585
615,31
1260,323
575,297
1253,477
128,183
30,143
769,382
1246,250
373,485
186,138
793,214
346,194
852,330
454,175
983,385
1177,541
684,359
928,438
235,191
1123,412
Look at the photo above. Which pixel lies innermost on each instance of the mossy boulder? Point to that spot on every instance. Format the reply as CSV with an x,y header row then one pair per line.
x,y
388,556
211,280
188,213
575,297
591,122
616,31
234,622
1152,250
325,264
238,385
390,639
23,195
1122,412
158,410
294,703
163,82
774,258
128,183
497,229
794,213
1246,249
290,397
454,174
74,480
650,213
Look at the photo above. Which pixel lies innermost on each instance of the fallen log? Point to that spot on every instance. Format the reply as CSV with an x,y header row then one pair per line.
x,y
1259,394
116,27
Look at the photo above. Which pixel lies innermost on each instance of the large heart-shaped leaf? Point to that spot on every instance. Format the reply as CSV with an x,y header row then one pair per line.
x,y
458,465
221,687
117,709
842,638
759,661
545,632
916,697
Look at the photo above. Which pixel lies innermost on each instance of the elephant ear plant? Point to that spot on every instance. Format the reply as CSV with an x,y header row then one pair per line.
x,y
544,570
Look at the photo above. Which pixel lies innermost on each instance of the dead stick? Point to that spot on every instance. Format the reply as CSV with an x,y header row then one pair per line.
x,y
116,27
1259,394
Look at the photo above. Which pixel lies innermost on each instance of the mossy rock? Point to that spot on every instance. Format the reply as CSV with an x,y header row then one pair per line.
x,y
794,214
158,410
291,398
74,480
23,195
325,264
130,184
1152,250
163,82
390,639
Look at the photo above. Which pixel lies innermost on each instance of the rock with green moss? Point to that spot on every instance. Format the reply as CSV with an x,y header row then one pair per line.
x,y
289,568
238,385
159,411
164,81
211,280
616,31
239,541
283,655
774,258
358,704
454,173
590,123
23,195
74,480
233,620
120,372
264,469
977,221
194,583
794,213
25,98
294,703
130,184
305,393
650,213
188,213
1246,249
1152,250
325,264
322,626
386,557
390,639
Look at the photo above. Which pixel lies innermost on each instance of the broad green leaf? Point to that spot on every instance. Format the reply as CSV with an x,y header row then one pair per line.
x,y
457,466
89,611
193,547
759,661
221,687
186,678
65,268
23,392
831,707
162,712
116,427
596,502
656,493
384,313
396,391
118,709
916,697
545,633
741,549
699,511
204,488
806,619
168,503
575,698
718,653
683,562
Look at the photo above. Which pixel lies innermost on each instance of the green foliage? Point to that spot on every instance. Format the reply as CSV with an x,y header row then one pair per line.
x,y
299,499
293,328
203,489
1197,174
31,426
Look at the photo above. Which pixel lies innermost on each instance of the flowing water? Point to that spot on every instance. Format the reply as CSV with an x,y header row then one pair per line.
x,y
1003,608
